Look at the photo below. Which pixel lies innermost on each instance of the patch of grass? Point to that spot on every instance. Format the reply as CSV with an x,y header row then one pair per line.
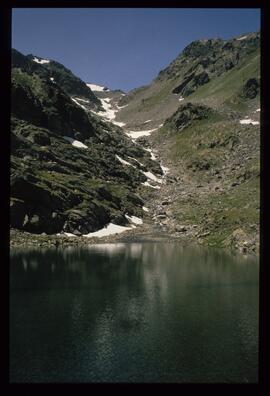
x,y
222,89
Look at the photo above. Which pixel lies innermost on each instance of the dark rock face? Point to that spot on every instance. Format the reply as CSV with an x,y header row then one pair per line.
x,y
36,101
83,221
58,187
251,88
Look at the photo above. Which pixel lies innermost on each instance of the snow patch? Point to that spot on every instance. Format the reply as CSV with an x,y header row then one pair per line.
x,y
181,98
121,124
82,100
97,88
134,219
249,121
147,121
122,107
145,209
137,134
41,61
79,104
52,79
151,176
242,38
123,161
164,169
150,185
110,229
256,111
153,157
109,113
75,143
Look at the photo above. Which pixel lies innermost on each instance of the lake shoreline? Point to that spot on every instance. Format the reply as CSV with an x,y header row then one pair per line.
x,y
141,234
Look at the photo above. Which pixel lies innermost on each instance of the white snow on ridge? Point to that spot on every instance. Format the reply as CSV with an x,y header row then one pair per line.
x,y
147,121
242,38
110,229
97,88
249,121
42,61
74,142
256,111
134,219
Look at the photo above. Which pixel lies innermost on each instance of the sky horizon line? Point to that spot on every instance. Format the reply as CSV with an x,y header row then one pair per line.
x,y
122,48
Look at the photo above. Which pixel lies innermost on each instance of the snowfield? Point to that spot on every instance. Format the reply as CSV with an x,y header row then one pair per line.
x,y
122,107
134,219
110,229
150,185
164,169
249,121
75,143
79,104
137,134
109,113
123,161
97,88
151,176
42,61
153,157
82,100
242,38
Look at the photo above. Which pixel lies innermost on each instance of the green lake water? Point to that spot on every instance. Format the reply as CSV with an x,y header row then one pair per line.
x,y
133,312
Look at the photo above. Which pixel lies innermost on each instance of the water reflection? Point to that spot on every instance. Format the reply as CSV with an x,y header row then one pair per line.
x,y
133,312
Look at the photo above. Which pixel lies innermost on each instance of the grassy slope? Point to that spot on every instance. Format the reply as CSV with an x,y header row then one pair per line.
x,y
227,214
157,102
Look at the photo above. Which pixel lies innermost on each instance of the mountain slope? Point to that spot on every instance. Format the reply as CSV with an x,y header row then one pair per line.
x,y
206,132
193,134
68,166
56,73
185,79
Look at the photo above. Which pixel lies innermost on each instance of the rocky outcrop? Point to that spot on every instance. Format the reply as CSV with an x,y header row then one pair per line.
x,y
251,88
186,114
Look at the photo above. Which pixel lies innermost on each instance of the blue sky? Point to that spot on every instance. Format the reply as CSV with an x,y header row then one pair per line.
x,y
122,47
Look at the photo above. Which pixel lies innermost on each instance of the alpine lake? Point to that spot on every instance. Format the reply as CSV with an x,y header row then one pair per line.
x,y
144,312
